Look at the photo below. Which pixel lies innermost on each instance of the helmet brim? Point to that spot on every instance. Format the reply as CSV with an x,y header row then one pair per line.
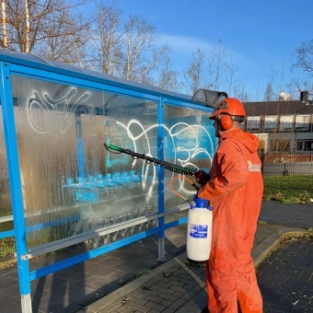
x,y
213,115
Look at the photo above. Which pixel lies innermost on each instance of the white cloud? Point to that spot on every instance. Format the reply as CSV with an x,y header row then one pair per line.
x,y
185,44
182,47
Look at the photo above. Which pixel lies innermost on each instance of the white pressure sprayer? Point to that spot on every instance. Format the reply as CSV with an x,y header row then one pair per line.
x,y
199,231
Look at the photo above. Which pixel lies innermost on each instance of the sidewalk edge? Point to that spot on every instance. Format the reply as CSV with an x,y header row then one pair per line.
x,y
123,291
259,254
261,251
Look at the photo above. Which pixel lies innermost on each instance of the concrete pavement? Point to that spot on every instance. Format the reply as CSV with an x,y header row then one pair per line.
x,y
130,279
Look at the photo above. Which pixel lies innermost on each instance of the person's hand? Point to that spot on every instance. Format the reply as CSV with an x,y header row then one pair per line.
x,y
202,177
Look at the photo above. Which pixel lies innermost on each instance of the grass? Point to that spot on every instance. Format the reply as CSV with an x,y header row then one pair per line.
x,y
7,247
144,272
288,189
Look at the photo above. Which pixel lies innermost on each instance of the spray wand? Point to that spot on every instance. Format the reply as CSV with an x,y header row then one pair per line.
x,y
166,165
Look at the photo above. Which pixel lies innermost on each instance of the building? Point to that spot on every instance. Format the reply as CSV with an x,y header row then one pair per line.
x,y
281,126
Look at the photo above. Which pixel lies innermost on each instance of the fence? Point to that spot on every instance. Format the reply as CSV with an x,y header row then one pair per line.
x,y
276,163
288,176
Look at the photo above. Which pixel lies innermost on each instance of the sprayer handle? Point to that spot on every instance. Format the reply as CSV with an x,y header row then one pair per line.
x,y
202,177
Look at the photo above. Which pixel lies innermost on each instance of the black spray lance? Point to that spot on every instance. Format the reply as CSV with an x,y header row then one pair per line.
x,y
166,165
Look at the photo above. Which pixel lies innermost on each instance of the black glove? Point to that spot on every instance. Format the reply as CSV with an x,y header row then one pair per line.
x,y
202,177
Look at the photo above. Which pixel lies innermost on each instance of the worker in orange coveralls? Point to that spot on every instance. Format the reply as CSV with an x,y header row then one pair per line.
x,y
234,188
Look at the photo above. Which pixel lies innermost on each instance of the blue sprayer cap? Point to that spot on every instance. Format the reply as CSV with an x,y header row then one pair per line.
x,y
201,203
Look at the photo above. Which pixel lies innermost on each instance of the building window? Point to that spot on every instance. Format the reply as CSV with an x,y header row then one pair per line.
x,y
302,122
270,123
280,145
286,122
304,145
253,123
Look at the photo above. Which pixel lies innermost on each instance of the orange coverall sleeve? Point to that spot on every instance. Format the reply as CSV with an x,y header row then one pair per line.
x,y
229,172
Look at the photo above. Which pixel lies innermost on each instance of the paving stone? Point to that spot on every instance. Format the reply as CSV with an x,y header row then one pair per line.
x,y
154,299
157,306
7,282
285,277
178,304
288,296
6,302
168,310
16,308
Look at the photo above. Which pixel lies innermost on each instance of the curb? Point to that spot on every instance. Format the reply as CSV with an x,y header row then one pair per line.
x,y
261,251
199,302
123,291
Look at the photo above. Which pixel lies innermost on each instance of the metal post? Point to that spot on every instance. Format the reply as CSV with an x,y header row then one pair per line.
x,y
161,244
26,304
161,250
80,146
15,186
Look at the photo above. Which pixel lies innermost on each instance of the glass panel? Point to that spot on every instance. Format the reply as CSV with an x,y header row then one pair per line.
x,y
286,122
189,142
304,145
253,123
270,123
5,199
302,122
71,184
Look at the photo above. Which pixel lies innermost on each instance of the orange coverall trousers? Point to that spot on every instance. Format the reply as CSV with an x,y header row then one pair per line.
x,y
235,190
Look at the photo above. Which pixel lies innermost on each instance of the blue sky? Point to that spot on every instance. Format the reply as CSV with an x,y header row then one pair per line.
x,y
258,35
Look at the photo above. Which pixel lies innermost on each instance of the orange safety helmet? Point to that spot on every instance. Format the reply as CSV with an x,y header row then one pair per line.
x,y
230,107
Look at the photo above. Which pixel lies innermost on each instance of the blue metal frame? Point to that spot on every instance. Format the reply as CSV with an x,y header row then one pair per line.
x,y
80,147
104,85
160,115
14,178
91,254
10,64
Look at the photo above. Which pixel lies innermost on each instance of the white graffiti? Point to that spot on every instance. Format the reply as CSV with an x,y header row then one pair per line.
x,y
45,113
192,149
180,142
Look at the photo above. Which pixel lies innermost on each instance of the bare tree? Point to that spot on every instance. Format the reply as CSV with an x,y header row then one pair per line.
x,y
4,40
232,69
299,85
141,56
107,53
25,23
218,67
27,30
194,73
220,73
269,94
51,28
239,91
128,50
304,57
304,60
65,40
276,85
167,76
